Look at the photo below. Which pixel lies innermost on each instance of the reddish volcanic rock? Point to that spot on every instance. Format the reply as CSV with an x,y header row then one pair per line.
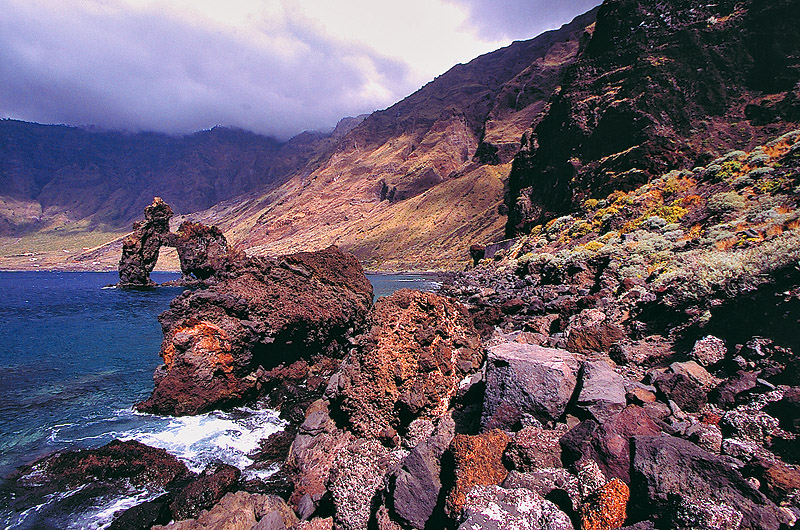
x,y
140,248
478,462
605,508
202,250
220,341
409,364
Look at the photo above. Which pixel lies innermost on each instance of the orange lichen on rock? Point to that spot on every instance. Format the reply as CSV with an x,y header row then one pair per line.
x,y
408,365
478,462
605,508
203,338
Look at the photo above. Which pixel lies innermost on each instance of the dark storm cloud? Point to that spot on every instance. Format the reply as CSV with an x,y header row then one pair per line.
x,y
117,68
521,19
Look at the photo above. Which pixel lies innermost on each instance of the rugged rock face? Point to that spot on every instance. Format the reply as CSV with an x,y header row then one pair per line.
x,y
140,248
659,85
220,342
202,250
409,364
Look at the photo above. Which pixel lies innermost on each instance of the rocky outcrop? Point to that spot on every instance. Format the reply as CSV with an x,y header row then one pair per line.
x,y
408,365
654,89
220,342
140,248
202,250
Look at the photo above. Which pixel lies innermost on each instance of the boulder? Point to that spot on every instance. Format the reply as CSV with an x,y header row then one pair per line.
x,y
609,443
709,350
682,390
417,484
665,466
641,352
602,391
357,473
605,508
141,247
533,448
527,380
408,365
311,457
240,511
219,341
696,373
495,508
727,393
478,461
548,483
592,331
696,514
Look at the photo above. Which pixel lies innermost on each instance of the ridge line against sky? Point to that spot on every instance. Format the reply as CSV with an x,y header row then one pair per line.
x,y
275,67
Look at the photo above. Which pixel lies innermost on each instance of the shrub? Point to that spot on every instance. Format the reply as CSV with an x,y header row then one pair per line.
x,y
593,246
670,214
729,169
725,202
590,204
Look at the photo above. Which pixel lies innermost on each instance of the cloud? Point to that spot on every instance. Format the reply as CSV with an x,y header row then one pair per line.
x,y
105,64
521,19
276,67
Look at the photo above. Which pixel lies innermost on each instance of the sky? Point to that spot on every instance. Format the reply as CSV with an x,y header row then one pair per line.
x,y
276,67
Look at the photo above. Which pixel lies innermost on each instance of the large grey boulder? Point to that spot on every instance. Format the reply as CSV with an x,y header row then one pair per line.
x,y
602,391
665,467
524,380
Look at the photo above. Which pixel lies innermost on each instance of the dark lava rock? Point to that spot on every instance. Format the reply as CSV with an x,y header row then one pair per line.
x,y
787,410
523,379
602,391
685,392
205,491
140,248
220,341
608,444
117,469
408,365
131,461
143,516
664,466
727,392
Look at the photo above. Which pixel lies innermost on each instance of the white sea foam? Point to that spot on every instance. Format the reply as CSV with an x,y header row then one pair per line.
x,y
228,437
103,515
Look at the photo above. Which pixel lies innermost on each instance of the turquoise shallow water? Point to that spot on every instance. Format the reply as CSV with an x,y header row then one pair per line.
x,y
75,357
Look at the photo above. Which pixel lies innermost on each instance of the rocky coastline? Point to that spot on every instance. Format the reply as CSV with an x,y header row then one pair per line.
x,y
645,379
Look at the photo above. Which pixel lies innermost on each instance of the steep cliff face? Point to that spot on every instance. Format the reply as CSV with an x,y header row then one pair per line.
x,y
53,175
415,184
660,84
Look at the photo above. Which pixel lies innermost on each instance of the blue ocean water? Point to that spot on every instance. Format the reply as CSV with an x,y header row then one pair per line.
x,y
75,357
